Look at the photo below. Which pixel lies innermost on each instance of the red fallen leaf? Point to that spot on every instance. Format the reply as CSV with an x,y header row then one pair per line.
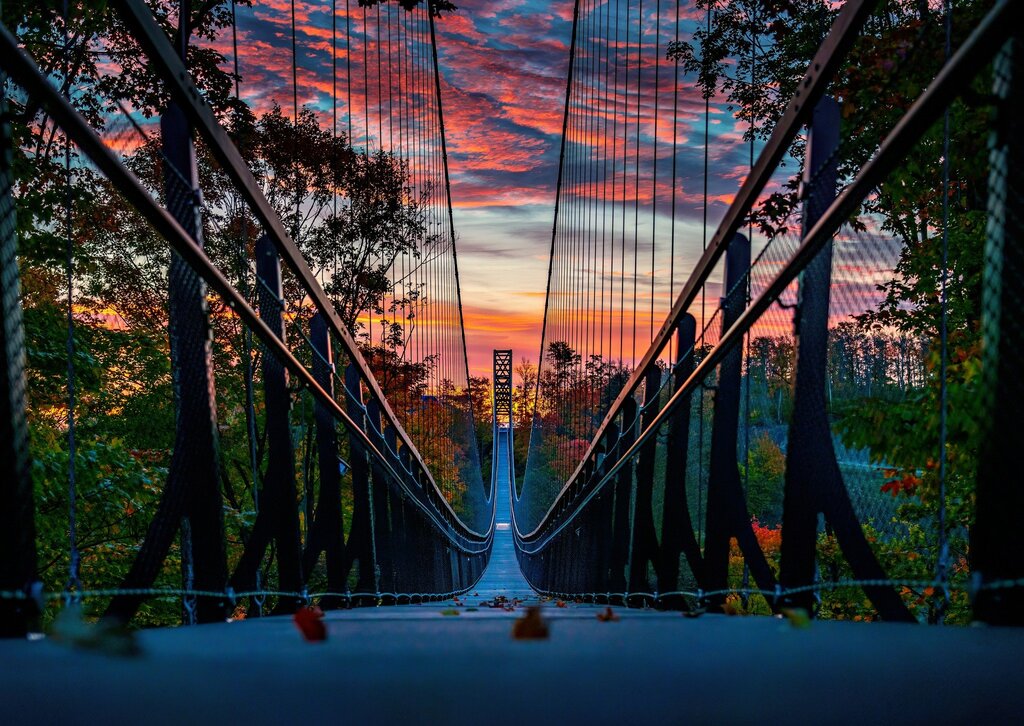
x,y
733,608
531,626
607,616
310,623
560,603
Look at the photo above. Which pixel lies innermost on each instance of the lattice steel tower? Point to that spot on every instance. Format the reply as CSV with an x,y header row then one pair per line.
x,y
503,388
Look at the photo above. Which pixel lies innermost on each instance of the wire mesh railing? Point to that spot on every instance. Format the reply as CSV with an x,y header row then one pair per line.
x,y
811,440
250,445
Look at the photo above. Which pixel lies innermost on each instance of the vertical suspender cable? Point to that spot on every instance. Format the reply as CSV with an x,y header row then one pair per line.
x,y
295,121
73,587
558,189
448,195
622,200
942,560
636,178
605,93
654,181
704,288
348,68
250,393
615,195
746,301
675,162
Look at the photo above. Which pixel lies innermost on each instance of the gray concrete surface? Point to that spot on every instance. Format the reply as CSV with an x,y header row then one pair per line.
x,y
411,664
414,664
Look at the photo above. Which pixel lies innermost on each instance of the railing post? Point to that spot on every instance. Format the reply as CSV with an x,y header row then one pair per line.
x,y
279,489
644,542
727,514
192,501
810,455
997,539
396,501
725,493
380,492
677,534
327,534
359,546
604,506
196,447
814,482
17,510
623,489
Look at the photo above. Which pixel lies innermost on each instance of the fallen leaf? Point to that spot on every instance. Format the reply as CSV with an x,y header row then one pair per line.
x,y
729,609
310,622
106,636
560,603
607,615
797,617
449,611
531,626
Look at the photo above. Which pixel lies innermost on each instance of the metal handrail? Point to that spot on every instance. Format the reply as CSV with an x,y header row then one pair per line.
x,y
977,50
170,68
827,60
25,72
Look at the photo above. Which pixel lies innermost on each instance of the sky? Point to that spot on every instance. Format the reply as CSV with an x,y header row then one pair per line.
x,y
503,67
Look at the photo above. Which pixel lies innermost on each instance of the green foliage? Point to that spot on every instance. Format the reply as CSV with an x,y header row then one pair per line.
x,y
117,490
765,479
124,410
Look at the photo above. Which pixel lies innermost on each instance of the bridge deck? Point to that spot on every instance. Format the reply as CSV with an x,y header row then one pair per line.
x,y
421,664
413,665
502,576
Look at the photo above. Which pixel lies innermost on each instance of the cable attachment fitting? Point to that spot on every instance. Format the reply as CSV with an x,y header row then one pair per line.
x,y
34,594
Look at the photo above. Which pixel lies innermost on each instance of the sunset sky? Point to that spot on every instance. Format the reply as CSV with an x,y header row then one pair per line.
x,y
503,66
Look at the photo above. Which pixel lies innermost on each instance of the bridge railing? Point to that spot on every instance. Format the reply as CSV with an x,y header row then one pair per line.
x,y
811,440
289,449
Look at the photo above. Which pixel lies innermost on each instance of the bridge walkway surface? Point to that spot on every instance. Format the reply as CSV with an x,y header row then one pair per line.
x,y
425,664
502,577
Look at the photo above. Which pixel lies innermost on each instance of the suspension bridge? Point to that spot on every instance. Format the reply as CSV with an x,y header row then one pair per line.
x,y
761,469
